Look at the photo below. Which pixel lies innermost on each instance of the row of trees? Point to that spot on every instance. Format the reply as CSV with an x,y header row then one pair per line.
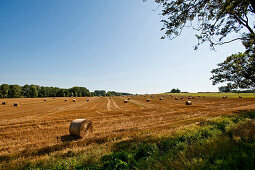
x,y
32,91
16,91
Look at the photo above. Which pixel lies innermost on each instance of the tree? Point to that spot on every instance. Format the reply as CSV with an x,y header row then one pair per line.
x,y
25,90
224,89
4,90
33,92
14,91
238,70
214,20
175,90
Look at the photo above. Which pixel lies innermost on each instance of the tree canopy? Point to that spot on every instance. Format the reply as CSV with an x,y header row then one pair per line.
x,y
213,20
238,70
217,22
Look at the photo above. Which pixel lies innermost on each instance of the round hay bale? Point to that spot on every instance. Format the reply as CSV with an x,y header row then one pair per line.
x,y
148,100
45,100
176,98
152,96
74,100
189,97
65,100
80,127
3,103
224,97
181,97
161,99
16,104
128,98
188,103
87,100
125,101
240,97
54,98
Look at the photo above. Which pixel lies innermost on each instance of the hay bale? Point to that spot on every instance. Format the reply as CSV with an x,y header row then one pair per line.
x,y
74,100
176,98
148,100
240,97
161,99
128,98
189,97
16,104
181,97
80,127
125,101
54,98
224,97
188,103
87,100
65,100
3,103
45,100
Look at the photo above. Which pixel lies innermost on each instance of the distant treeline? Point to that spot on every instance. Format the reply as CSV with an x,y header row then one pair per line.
x,y
32,91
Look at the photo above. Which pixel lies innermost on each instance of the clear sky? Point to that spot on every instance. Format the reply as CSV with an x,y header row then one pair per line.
x,y
99,44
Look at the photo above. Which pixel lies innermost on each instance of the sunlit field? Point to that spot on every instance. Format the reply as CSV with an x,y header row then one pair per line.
x,y
37,129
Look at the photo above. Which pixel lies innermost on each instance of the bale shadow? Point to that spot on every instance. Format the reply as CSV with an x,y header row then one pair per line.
x,y
69,138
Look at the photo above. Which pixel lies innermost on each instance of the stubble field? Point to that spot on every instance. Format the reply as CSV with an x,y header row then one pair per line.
x,y
39,127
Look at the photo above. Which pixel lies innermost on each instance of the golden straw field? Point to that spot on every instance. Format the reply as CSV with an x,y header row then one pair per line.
x,y
39,127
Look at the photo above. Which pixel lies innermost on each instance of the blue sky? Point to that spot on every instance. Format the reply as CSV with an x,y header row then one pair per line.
x,y
99,44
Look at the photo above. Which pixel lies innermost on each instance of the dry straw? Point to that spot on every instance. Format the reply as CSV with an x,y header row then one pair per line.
x,y
80,127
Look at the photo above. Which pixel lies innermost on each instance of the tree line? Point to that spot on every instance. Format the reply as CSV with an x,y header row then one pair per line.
x,y
32,91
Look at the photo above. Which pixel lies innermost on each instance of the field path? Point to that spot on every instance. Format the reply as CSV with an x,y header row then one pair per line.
x,y
115,105
108,104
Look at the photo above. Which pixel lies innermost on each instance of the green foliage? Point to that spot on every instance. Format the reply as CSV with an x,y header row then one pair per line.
x,y
213,20
15,91
238,70
99,92
224,89
4,90
175,90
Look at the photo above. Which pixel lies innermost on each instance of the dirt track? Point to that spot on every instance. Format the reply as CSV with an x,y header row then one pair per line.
x,y
37,124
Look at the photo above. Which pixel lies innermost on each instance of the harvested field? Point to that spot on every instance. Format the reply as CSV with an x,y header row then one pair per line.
x,y
40,127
